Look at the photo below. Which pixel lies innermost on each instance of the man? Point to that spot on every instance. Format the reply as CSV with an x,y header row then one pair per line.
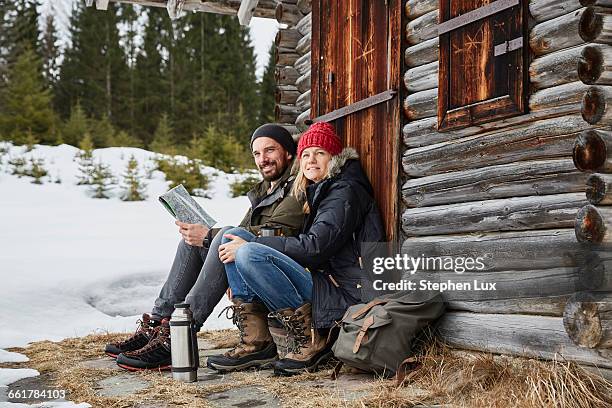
x,y
197,275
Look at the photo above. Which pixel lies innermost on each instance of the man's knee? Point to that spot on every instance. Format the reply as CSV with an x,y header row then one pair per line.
x,y
233,231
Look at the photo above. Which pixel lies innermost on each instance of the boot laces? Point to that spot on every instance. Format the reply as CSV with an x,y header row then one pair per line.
x,y
160,335
143,327
295,338
234,313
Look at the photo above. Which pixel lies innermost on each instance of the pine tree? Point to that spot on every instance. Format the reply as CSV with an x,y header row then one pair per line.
x,y
128,16
94,69
50,51
18,166
102,180
23,30
266,90
102,132
30,140
133,186
76,127
163,139
85,159
27,104
150,82
37,170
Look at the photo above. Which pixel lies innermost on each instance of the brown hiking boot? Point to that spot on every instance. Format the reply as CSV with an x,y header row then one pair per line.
x,y
307,349
147,330
256,346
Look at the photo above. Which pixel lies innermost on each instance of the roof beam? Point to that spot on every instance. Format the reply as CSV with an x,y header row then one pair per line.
x,y
264,8
245,12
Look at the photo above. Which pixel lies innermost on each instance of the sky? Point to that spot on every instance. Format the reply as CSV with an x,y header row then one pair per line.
x,y
263,30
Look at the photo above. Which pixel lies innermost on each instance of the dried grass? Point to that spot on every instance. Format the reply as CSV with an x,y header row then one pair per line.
x,y
445,377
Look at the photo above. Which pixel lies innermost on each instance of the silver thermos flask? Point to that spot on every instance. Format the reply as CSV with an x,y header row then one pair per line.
x,y
184,344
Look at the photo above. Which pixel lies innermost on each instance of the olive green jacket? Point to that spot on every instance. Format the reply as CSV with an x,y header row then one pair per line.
x,y
277,208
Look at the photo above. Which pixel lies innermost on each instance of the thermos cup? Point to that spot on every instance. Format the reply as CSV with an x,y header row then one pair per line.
x,y
270,231
184,344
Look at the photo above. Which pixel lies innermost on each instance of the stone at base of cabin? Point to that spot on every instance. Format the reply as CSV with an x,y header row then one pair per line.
x,y
123,384
244,397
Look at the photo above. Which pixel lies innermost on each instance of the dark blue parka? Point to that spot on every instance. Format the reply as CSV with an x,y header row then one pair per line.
x,y
343,214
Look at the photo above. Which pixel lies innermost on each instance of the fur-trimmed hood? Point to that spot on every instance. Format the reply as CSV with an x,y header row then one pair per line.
x,y
339,160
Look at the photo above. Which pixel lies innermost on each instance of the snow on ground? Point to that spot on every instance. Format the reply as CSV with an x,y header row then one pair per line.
x,y
71,265
10,357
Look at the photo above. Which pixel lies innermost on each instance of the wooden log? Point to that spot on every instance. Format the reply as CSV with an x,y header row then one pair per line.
x,y
588,319
599,189
287,14
596,270
303,82
597,105
304,6
543,10
560,95
508,214
541,306
292,129
555,68
421,78
286,94
593,151
507,180
286,58
544,139
425,131
300,122
421,105
417,8
303,63
521,335
286,113
304,26
504,251
422,28
264,9
471,286
287,38
422,53
592,225
595,64
303,46
575,28
286,75
303,102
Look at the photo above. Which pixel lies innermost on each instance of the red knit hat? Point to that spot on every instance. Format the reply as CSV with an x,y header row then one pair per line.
x,y
323,135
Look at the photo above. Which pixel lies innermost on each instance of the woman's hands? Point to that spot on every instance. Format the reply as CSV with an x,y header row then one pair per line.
x,y
227,251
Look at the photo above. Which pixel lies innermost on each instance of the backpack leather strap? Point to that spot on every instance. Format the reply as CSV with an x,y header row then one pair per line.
x,y
367,307
369,321
408,364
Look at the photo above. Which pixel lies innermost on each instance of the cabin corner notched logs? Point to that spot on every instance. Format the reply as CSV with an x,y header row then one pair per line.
x,y
292,58
515,187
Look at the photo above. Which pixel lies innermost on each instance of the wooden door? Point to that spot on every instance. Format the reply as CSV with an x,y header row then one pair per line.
x,y
355,56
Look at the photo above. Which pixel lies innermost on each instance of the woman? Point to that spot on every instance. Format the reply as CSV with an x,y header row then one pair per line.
x,y
307,281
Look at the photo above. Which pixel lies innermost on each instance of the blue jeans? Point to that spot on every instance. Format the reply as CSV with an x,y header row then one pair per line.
x,y
267,275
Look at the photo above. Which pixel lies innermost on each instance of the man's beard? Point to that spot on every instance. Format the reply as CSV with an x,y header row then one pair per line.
x,y
275,175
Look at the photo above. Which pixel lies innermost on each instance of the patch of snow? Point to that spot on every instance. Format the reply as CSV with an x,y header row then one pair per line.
x,y
71,265
10,357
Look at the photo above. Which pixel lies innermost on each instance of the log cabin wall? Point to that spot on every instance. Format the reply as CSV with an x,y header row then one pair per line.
x,y
510,188
293,64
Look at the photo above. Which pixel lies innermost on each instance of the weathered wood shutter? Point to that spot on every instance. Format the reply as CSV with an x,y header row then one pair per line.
x,y
483,70
356,60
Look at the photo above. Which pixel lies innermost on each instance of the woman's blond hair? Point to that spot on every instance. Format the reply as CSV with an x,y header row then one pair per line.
x,y
301,182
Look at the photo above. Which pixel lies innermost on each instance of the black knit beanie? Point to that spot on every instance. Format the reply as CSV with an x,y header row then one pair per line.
x,y
279,134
